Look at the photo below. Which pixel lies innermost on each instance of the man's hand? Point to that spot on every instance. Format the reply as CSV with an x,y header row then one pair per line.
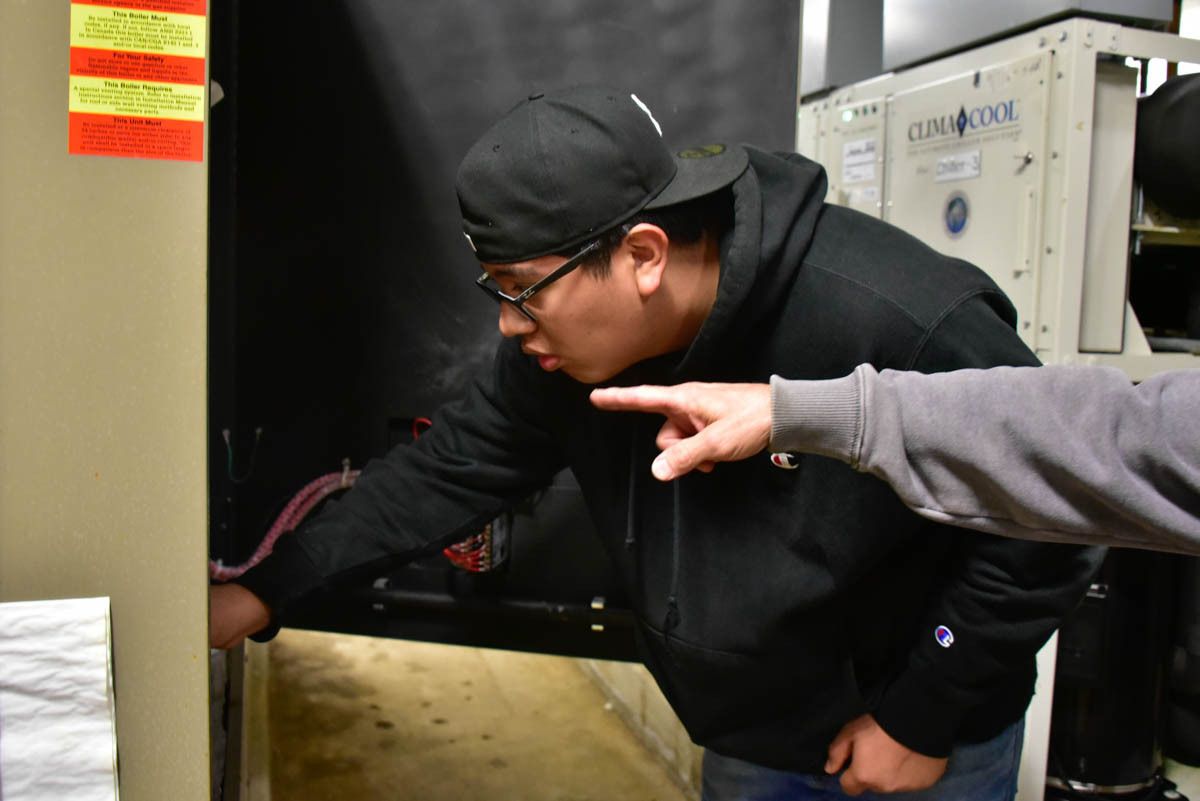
x,y
234,613
877,762
706,423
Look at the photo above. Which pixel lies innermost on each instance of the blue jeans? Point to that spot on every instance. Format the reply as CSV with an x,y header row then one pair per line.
x,y
984,771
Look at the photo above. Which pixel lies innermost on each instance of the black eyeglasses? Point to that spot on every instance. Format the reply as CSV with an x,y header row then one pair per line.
x,y
488,285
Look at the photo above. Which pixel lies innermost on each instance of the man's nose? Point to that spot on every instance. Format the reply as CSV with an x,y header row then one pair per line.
x,y
513,323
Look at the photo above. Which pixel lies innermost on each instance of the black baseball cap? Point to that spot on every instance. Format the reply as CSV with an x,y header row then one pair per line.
x,y
561,168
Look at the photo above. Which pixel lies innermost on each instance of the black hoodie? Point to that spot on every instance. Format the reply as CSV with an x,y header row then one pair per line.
x,y
773,606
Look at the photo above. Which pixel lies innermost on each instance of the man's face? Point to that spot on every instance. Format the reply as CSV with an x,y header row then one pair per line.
x,y
589,327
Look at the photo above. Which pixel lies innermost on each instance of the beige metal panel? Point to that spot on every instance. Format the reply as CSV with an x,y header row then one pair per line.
x,y
854,154
809,130
1055,301
965,171
102,401
1070,140
1110,193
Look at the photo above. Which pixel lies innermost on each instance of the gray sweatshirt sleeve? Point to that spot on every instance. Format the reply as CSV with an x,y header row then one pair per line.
x,y
1062,454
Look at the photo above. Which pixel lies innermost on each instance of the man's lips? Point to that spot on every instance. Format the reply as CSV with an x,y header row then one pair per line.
x,y
546,361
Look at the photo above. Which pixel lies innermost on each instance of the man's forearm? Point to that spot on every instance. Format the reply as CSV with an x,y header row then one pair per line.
x,y
1056,453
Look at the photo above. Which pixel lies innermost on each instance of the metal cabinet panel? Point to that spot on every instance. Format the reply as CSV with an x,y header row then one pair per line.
x,y
966,158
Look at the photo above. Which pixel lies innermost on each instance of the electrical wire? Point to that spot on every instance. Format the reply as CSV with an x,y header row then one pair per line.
x,y
476,553
302,503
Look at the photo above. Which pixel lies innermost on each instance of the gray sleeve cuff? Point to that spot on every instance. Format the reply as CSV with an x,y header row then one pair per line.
x,y
822,417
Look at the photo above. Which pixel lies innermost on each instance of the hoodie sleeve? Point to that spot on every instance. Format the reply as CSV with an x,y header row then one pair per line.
x,y
482,453
1059,453
1002,598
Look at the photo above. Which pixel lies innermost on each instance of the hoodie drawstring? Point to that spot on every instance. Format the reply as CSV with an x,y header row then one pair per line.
x,y
671,619
631,507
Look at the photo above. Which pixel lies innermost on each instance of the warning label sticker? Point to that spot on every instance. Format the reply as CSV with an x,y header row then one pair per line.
x,y
139,31
137,82
136,137
145,99
136,66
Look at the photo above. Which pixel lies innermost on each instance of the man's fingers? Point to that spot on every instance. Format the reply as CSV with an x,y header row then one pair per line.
x,y
664,400
672,434
839,752
671,463
841,755
684,456
850,783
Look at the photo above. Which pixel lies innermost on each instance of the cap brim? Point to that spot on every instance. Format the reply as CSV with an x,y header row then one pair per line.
x,y
701,170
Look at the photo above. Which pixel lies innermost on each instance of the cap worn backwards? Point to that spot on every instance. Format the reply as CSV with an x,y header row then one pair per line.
x,y
561,168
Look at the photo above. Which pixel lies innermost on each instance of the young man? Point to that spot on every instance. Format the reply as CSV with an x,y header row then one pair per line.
x,y
800,622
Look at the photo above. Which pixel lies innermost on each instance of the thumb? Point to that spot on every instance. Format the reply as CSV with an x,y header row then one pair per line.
x,y
683,457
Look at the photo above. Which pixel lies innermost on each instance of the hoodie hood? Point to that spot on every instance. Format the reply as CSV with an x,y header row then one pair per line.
x,y
759,257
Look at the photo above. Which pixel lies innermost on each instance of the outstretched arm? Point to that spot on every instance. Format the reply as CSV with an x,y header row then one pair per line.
x,y
1063,454
1068,454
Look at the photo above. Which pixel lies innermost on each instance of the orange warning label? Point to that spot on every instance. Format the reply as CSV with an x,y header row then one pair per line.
x,y
137,78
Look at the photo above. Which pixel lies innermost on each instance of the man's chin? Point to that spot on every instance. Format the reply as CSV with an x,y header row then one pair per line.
x,y
586,375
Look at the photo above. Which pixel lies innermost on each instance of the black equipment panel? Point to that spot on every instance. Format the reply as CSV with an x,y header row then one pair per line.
x,y
340,302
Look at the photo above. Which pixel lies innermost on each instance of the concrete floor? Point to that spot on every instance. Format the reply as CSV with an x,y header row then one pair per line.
x,y
365,718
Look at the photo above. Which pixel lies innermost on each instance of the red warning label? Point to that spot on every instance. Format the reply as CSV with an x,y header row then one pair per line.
x,y
136,137
136,66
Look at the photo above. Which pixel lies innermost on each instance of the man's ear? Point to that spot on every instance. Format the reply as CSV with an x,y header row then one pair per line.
x,y
648,247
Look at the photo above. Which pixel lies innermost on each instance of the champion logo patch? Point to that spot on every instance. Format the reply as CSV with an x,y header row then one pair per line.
x,y
788,461
944,636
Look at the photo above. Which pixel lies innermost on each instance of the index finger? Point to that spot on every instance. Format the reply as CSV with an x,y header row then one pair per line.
x,y
645,398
